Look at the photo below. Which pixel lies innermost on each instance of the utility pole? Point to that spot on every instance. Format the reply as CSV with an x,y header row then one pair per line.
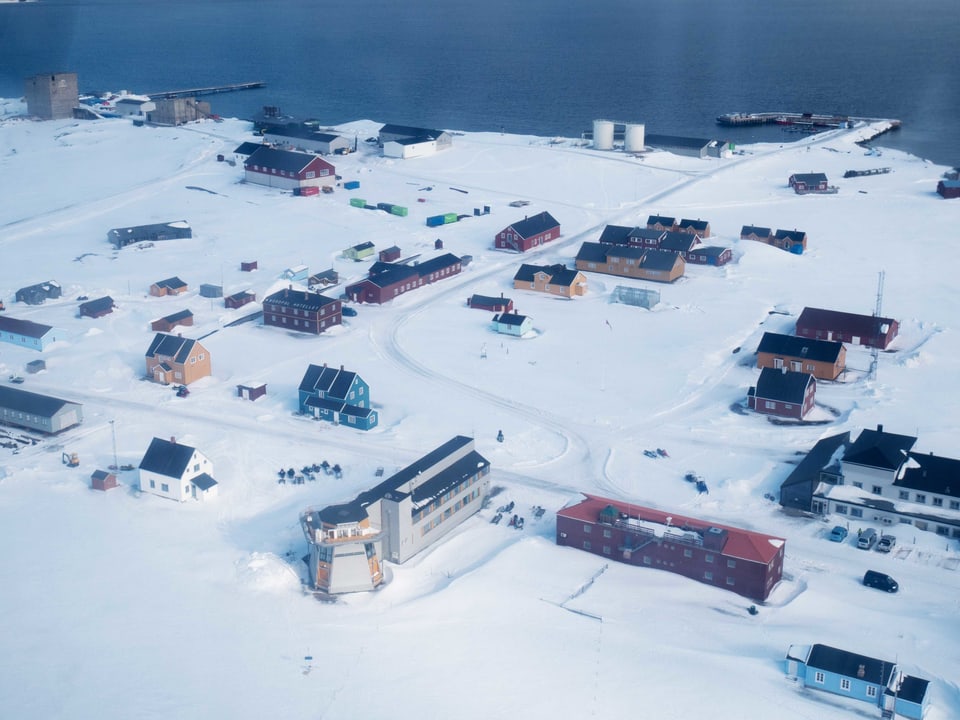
x,y
878,309
113,432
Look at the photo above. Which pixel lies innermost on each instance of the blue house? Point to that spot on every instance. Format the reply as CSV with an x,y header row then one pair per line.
x,y
337,396
512,324
25,333
867,679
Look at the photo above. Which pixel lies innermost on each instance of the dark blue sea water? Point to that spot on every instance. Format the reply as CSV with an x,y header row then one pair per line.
x,y
546,67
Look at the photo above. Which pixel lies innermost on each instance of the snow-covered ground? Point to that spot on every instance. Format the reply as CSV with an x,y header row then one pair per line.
x,y
122,605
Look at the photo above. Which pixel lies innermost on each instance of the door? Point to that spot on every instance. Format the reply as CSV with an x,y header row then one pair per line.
x,y
855,340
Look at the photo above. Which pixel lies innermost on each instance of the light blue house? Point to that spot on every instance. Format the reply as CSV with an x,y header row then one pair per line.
x,y
337,396
297,273
24,333
512,324
858,677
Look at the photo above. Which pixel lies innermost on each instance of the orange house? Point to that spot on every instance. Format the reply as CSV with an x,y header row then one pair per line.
x,y
175,359
551,279
170,286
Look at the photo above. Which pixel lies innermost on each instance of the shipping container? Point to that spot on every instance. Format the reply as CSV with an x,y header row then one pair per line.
x,y
435,220
399,210
450,218
357,202
352,185
309,190
386,207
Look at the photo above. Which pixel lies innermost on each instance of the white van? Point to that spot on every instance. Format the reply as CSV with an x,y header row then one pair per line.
x,y
867,539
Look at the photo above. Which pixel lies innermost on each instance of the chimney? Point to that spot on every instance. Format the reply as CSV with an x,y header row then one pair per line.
x,y
861,671
324,366
341,368
784,369
173,440
879,428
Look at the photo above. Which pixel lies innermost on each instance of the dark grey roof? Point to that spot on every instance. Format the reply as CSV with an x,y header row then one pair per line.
x,y
203,481
660,260
438,263
155,231
363,246
510,319
30,402
411,132
335,382
848,664
755,230
337,405
301,299
785,386
698,225
487,301
588,252
912,689
662,141
98,306
795,235
934,474
247,148
388,277
661,220
615,235
879,449
809,178
171,283
711,250
285,160
643,233
166,458
797,489
678,241
27,328
179,348
793,346
530,226
178,316
860,325
559,274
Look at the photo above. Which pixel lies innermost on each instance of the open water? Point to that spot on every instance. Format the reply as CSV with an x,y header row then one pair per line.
x,y
543,67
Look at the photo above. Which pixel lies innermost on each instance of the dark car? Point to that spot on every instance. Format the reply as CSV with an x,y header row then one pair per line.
x,y
348,311
880,581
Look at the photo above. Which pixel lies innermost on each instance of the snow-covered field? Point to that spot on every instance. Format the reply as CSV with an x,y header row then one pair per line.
x,y
123,605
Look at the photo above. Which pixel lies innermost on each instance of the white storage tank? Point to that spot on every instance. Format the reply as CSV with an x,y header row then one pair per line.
x,y
633,138
603,134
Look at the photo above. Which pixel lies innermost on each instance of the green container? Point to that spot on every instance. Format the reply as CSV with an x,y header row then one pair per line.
x,y
399,210
357,202
450,218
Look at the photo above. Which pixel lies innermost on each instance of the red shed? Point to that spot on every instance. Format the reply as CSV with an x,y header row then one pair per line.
x,y
248,266
949,188
390,254
239,299
103,480
251,392
741,561
783,393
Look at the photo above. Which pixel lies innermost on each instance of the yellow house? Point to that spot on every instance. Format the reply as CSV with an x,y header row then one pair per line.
x,y
551,279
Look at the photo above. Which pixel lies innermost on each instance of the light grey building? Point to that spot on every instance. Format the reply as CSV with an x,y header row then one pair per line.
x,y
395,520
52,96
38,412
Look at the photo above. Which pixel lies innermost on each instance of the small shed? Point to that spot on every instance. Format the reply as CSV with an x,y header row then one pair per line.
x,y
239,299
390,254
490,304
359,251
948,189
170,286
248,266
512,324
103,480
251,392
35,366
37,294
97,308
438,244
325,278
211,291
168,323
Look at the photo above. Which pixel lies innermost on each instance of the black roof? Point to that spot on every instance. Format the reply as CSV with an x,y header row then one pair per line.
x,y
912,689
178,316
30,402
301,299
534,225
879,449
851,665
615,235
172,283
931,473
94,307
661,141
678,241
559,274
795,235
800,347
411,132
166,457
699,225
594,252
487,301
711,250
203,481
280,159
438,263
755,230
783,385
510,319
661,220
336,382
179,348
388,277
809,178
822,456
247,148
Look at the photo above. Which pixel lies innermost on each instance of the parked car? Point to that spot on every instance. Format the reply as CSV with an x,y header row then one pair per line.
x,y
838,534
867,539
886,543
880,581
348,311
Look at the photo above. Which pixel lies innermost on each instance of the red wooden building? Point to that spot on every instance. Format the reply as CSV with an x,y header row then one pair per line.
x,y
302,311
288,170
168,323
783,393
239,299
491,304
251,392
809,183
103,480
741,561
248,266
528,233
868,330
949,188
388,282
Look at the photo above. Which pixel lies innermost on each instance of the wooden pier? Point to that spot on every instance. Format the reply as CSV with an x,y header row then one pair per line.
x,y
212,90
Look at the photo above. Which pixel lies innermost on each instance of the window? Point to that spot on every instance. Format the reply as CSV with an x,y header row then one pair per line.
x,y
904,495
856,512
818,677
708,575
841,509
606,549
877,490
937,502
607,533
731,563
955,504
844,683
770,405
153,484
164,487
708,558
586,544
646,560
730,582
858,484
921,498
687,553
587,529
311,174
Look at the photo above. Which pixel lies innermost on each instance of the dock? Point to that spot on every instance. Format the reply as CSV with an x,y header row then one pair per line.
x,y
211,90
797,120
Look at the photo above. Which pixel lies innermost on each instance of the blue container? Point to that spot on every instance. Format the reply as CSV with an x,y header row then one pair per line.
x,y
352,185
436,220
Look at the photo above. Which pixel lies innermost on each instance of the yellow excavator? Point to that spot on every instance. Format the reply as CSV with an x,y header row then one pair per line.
x,y
70,459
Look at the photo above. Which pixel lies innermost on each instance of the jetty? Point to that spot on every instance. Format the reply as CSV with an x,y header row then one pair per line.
x,y
211,90
803,120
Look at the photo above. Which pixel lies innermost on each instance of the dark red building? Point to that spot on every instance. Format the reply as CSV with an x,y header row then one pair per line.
x,y
492,304
301,310
783,393
388,281
741,561
239,299
809,183
529,233
288,170
868,330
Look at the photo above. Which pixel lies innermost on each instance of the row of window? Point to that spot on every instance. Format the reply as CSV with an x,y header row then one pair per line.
x,y
944,530
921,498
11,337
818,677
423,512
27,417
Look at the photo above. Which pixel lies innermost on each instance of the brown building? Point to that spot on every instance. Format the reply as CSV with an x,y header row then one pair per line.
x,y
741,561
239,299
634,262
103,480
868,330
168,323
302,311
177,111
52,96
551,279
824,359
389,280
170,286
175,359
